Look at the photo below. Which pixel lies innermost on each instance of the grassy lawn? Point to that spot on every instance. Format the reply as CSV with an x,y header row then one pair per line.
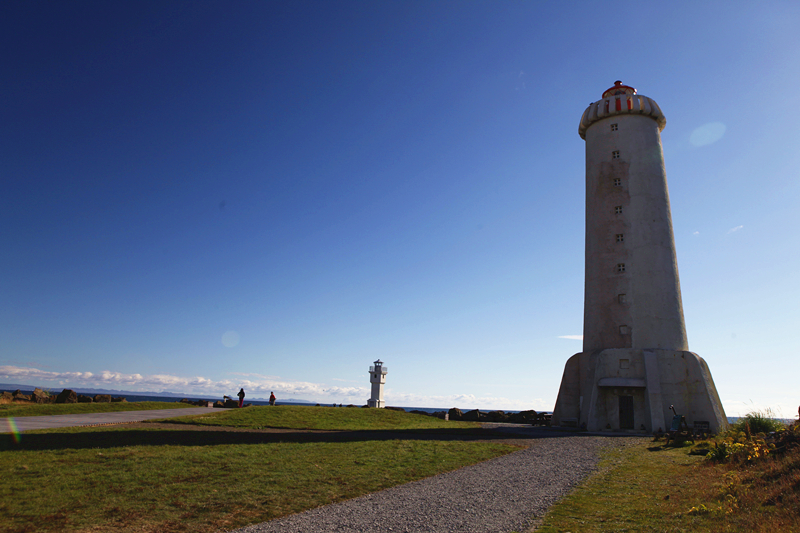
x,y
19,409
650,488
323,418
204,480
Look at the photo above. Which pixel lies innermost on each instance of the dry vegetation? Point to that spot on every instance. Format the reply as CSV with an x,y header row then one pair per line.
x,y
753,487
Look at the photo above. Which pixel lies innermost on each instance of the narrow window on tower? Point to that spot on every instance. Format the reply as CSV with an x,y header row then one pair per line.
x,y
623,330
615,154
621,298
613,127
620,237
620,267
618,210
617,182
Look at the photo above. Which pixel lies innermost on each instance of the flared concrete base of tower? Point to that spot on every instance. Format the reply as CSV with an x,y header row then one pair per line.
x,y
630,389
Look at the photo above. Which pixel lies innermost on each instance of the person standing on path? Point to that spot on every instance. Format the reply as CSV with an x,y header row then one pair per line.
x,y
272,398
241,397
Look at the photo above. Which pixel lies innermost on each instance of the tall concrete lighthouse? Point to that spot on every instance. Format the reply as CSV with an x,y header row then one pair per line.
x,y
377,376
635,361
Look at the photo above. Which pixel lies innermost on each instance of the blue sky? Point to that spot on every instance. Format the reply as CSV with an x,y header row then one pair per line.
x,y
199,196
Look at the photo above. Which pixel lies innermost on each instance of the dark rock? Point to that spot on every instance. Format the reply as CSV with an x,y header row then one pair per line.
x,y
496,416
67,396
219,404
440,414
473,416
455,413
7,397
119,399
418,412
229,404
82,398
102,398
184,400
39,396
396,409
19,397
524,417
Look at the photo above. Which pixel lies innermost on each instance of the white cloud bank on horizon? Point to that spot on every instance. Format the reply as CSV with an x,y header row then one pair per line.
x,y
572,337
195,385
261,386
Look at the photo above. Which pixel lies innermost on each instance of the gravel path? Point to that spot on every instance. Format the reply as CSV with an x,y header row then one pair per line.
x,y
501,495
28,423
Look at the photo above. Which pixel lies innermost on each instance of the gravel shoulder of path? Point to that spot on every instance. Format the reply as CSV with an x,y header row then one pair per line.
x,y
504,494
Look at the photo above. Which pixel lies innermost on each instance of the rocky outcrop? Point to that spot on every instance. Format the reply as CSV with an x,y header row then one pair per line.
x,y
7,397
102,398
40,396
496,416
526,417
82,398
455,413
67,396
19,397
119,399
473,416
199,403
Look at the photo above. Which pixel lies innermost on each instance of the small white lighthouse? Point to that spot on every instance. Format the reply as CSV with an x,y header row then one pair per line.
x,y
377,376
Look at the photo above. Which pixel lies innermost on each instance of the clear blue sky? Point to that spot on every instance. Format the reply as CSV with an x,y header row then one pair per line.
x,y
198,196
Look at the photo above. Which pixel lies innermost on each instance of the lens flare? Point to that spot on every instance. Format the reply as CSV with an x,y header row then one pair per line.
x,y
707,134
15,433
230,339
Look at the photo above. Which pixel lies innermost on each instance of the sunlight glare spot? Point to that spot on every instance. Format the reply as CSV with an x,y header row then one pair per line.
x,y
707,134
230,339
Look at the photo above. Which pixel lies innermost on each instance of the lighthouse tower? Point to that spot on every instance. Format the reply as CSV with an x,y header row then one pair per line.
x,y
635,361
377,376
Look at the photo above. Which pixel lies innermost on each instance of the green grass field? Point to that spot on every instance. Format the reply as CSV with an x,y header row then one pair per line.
x,y
322,418
188,477
20,409
224,470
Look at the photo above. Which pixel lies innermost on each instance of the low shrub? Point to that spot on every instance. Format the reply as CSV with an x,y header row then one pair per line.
x,y
752,437
759,422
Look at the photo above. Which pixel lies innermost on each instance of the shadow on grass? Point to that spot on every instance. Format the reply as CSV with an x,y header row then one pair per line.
x,y
203,436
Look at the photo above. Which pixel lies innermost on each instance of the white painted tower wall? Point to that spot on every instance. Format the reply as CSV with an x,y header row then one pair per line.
x,y
634,338
377,377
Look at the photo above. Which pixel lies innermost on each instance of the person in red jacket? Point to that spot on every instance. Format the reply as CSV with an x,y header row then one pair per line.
x,y
241,397
272,398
